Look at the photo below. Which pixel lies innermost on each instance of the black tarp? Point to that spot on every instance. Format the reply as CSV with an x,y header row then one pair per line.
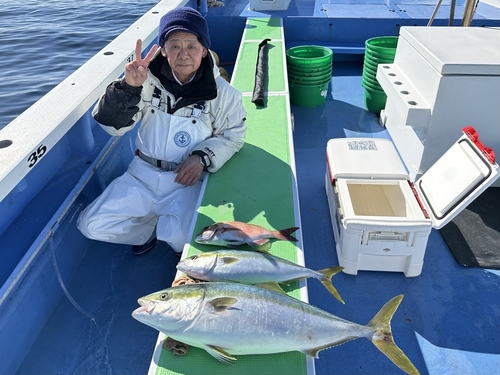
x,y
261,74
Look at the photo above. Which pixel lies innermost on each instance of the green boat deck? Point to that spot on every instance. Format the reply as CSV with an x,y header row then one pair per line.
x,y
258,186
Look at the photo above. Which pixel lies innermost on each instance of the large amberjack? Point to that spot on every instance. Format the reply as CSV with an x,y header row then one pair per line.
x,y
250,267
227,319
237,233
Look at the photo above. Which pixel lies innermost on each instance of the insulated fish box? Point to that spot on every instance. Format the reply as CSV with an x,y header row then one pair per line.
x,y
381,220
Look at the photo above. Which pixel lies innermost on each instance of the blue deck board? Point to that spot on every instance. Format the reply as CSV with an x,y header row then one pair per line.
x,y
448,305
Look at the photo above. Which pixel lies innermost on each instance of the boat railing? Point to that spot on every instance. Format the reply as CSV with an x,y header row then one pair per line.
x,y
47,157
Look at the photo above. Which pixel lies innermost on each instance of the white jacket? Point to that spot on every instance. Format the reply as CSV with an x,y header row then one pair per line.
x,y
224,116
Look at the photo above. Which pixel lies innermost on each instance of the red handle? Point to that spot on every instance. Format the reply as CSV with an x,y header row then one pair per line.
x,y
474,137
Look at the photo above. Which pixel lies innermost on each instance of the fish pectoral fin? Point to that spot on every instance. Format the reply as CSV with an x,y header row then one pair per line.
x,y
222,304
288,282
220,354
271,286
229,260
262,248
260,242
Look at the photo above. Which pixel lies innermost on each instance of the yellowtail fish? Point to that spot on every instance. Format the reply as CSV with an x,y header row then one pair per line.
x,y
228,319
237,233
249,267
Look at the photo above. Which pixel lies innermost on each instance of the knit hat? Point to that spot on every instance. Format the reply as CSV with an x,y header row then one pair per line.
x,y
184,19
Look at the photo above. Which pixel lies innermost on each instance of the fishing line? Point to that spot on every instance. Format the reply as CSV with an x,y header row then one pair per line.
x,y
61,283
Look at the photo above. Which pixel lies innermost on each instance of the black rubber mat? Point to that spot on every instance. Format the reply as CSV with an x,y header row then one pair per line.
x,y
474,235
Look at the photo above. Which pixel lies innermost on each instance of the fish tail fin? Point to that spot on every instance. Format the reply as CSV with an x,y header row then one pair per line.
x,y
383,340
286,234
326,280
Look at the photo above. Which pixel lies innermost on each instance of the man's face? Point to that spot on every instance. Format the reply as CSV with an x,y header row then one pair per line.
x,y
183,52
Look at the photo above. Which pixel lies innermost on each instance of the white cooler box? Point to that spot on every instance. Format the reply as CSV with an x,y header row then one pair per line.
x,y
381,220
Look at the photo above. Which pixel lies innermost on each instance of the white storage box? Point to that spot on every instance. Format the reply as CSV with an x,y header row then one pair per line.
x,y
269,4
381,220
442,79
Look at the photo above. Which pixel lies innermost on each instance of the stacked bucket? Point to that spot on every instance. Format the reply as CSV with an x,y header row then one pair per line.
x,y
379,50
309,74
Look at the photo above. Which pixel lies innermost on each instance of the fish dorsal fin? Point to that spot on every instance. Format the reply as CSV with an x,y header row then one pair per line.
x,y
222,304
271,286
313,352
228,260
220,354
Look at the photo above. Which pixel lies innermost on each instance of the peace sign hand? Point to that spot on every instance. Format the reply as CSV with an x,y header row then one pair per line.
x,y
136,72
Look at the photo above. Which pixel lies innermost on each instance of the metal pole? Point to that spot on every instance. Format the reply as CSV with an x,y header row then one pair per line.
x,y
435,12
470,9
452,12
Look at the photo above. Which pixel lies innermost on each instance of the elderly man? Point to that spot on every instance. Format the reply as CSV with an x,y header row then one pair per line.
x,y
191,122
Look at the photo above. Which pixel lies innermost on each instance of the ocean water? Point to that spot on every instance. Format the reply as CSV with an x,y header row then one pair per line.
x,y
44,41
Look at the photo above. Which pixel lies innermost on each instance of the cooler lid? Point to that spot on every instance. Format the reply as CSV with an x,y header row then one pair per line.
x,y
457,178
364,158
457,50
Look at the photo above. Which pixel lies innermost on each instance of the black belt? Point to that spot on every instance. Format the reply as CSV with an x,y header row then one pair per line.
x,y
167,166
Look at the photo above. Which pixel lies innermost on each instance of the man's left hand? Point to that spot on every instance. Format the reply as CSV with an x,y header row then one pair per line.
x,y
189,171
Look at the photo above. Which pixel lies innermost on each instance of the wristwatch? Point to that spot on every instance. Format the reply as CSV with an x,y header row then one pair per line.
x,y
204,159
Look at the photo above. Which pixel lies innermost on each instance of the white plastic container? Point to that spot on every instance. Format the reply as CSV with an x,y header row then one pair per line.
x,y
442,79
381,220
269,4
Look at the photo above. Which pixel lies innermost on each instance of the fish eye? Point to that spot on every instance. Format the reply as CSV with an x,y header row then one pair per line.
x,y
164,296
194,257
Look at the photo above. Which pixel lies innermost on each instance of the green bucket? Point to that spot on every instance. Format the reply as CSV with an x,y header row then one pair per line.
x,y
309,67
371,83
308,95
292,71
377,60
374,100
322,76
369,69
382,46
369,75
309,56
310,80
370,63
387,56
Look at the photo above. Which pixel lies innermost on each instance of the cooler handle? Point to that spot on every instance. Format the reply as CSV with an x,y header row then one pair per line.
x,y
387,236
473,135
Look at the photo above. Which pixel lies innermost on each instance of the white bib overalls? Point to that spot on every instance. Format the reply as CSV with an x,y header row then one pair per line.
x,y
145,197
